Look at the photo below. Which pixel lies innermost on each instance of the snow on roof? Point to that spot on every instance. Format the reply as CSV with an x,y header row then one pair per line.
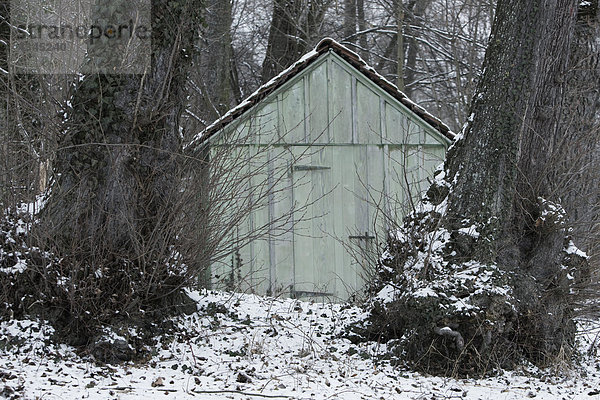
x,y
323,47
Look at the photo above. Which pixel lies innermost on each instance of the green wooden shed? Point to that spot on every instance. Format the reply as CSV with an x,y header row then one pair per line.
x,y
338,153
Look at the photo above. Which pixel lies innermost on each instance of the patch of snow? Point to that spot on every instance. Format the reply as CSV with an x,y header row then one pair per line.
x,y
386,255
18,268
34,207
552,212
572,249
258,347
424,292
470,231
387,294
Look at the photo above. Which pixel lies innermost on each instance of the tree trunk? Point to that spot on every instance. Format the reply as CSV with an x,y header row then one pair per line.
x,y
578,150
350,21
213,76
285,45
112,216
418,10
400,45
483,273
295,28
5,165
312,28
362,26
518,98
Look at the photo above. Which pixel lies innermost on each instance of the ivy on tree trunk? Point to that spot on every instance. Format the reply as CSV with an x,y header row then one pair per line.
x,y
113,211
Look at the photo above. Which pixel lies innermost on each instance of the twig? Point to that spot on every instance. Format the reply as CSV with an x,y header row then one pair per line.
x,y
192,352
121,388
268,396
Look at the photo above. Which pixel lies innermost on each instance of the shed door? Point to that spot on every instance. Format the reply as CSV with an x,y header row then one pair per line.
x,y
333,190
314,243
353,223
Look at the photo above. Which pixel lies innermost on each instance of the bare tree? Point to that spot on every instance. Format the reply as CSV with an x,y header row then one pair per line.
x,y
439,51
31,122
443,43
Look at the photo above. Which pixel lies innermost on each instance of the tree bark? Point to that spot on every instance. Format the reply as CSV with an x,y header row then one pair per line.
x,y
506,153
213,75
295,28
514,115
577,152
485,257
400,45
285,45
112,216
418,10
350,20
362,26
5,165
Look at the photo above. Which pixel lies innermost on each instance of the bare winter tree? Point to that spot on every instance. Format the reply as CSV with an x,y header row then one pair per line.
x,y
442,51
5,178
30,122
354,27
131,219
443,43
485,272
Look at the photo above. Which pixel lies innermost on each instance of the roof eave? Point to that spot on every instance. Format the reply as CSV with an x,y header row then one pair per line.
x,y
324,46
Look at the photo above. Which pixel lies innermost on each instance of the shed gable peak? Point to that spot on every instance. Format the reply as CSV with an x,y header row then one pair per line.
x,y
324,47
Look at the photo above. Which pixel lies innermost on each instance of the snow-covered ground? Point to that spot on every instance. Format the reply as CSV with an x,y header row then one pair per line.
x,y
250,347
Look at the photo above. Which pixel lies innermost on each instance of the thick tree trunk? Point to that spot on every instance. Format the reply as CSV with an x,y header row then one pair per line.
x,y
501,168
483,273
577,152
113,209
514,112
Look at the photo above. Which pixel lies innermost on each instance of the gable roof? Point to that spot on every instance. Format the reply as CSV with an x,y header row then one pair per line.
x,y
323,47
